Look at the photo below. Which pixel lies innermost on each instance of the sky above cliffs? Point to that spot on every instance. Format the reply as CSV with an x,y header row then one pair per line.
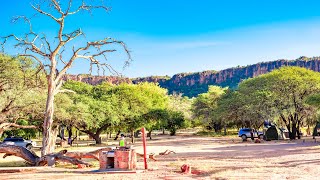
x,y
172,36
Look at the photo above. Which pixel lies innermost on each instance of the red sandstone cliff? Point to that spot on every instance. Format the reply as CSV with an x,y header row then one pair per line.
x,y
191,84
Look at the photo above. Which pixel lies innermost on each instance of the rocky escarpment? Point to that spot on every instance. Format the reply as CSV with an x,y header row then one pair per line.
x,y
94,80
192,84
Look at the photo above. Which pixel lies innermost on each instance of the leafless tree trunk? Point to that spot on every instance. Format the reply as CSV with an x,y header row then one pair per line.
x,y
48,134
39,48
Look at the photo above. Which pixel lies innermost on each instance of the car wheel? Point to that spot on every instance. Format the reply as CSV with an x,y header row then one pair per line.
x,y
260,136
243,137
29,146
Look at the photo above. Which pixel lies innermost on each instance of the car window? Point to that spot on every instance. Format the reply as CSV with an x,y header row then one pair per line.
x,y
13,139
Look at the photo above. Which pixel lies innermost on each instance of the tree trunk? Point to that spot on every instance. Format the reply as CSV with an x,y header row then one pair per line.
x,y
163,133
294,131
117,135
136,134
54,133
132,136
69,128
88,155
35,160
217,127
61,132
11,150
47,135
298,131
97,138
149,134
70,140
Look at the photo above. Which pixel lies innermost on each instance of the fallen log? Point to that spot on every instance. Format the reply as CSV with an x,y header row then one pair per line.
x,y
153,155
34,160
88,155
21,152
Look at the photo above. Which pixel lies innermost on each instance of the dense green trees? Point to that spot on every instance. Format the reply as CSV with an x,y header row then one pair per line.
x,y
174,121
205,107
90,109
282,96
279,95
87,112
288,96
283,93
119,106
20,92
135,101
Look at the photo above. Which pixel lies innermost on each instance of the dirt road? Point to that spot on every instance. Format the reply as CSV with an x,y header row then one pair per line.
x,y
209,158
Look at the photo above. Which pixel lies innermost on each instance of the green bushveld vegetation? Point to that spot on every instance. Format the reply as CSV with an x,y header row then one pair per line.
x,y
288,96
282,96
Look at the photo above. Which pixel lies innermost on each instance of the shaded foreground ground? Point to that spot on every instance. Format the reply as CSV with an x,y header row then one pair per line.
x,y
212,158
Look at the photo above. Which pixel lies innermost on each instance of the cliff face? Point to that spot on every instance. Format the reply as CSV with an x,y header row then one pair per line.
x,y
94,80
192,84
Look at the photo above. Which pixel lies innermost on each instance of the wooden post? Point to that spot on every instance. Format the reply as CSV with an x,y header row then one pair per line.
x,y
143,131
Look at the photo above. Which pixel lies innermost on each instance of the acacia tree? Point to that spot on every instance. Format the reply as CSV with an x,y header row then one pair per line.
x,y
183,104
19,91
135,100
285,91
155,119
89,112
48,53
205,105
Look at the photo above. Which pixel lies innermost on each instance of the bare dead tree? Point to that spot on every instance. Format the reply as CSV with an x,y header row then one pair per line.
x,y
48,54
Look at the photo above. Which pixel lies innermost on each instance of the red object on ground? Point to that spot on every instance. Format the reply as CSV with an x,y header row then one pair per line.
x,y
186,169
196,172
81,166
144,141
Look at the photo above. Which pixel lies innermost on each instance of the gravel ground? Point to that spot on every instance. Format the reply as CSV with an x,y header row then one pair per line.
x,y
209,158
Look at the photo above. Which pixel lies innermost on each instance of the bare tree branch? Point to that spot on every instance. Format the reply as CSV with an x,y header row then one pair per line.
x,y
97,45
88,8
68,9
38,60
57,7
9,125
45,13
27,20
92,51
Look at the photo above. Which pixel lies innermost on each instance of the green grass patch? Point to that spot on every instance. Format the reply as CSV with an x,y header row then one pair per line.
x,y
13,164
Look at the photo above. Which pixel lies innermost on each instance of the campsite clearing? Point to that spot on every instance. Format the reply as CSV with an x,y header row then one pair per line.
x,y
209,158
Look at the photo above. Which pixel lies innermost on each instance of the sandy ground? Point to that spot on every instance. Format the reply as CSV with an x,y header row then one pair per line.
x,y
210,158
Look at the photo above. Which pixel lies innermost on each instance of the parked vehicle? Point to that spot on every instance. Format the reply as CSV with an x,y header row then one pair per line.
x,y
19,141
245,133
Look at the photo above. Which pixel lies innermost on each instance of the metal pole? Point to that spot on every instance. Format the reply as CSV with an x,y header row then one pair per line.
x,y
143,131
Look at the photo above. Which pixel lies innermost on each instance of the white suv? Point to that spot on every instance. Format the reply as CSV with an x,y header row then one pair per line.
x,y
19,141
245,133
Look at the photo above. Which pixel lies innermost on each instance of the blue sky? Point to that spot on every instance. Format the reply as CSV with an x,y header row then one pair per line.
x,y
172,36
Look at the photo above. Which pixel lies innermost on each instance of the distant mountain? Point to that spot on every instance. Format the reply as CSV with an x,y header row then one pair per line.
x,y
192,84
